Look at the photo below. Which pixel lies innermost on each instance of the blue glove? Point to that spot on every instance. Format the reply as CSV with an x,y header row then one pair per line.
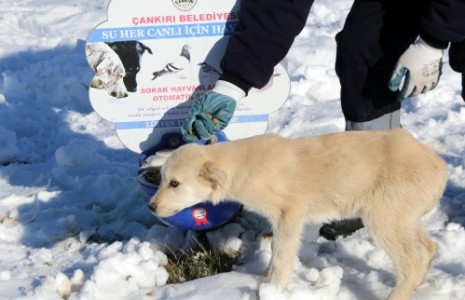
x,y
417,70
211,112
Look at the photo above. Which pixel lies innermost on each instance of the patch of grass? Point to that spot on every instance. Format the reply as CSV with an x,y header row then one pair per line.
x,y
198,263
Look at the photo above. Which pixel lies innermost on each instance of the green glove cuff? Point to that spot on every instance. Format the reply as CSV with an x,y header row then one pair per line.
x,y
209,114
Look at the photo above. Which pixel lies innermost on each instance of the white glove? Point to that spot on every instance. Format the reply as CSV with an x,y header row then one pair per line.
x,y
417,71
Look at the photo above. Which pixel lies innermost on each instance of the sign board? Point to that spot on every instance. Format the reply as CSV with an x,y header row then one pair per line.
x,y
170,51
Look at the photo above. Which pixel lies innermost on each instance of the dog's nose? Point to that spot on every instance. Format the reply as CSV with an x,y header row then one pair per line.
x,y
152,207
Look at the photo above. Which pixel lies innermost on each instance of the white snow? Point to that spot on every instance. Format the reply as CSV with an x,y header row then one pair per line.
x,y
74,222
8,148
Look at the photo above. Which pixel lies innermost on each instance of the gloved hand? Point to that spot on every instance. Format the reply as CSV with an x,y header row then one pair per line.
x,y
419,67
211,112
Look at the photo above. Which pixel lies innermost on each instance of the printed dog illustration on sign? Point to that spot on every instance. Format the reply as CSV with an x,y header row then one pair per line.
x,y
130,53
387,178
109,70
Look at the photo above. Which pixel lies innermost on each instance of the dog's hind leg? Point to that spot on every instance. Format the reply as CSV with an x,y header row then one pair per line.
x,y
409,247
429,248
287,231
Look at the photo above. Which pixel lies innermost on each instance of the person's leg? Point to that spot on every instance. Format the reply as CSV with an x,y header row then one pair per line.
x,y
374,36
388,121
457,61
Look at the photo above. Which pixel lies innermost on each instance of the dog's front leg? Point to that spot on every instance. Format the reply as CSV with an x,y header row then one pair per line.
x,y
286,241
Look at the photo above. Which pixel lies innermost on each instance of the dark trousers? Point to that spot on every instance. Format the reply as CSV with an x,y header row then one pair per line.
x,y
375,34
457,61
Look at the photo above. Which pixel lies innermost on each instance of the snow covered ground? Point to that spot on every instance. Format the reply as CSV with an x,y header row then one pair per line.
x,y
73,220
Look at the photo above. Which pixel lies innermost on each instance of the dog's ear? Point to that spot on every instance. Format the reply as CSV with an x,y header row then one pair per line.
x,y
213,174
145,48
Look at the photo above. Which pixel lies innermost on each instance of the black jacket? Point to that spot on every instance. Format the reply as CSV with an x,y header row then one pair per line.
x,y
267,29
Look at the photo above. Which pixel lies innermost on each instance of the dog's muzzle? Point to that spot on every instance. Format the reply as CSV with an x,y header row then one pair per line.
x,y
152,207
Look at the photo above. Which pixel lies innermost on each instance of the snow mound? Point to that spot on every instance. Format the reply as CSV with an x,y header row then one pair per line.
x,y
8,147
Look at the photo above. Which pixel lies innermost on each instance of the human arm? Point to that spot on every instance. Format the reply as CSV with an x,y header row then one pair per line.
x,y
264,35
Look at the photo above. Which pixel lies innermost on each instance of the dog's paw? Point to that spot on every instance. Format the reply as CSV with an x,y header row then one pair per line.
x,y
267,272
271,291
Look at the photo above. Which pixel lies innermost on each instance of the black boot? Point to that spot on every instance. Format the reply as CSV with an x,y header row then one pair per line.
x,y
343,228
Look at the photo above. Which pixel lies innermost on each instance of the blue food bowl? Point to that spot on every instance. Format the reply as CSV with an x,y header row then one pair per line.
x,y
202,216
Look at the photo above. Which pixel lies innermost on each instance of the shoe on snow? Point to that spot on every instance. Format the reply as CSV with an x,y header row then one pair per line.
x,y
343,228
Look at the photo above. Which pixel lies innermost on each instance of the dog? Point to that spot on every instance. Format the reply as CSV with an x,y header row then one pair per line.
x,y
130,53
109,70
387,178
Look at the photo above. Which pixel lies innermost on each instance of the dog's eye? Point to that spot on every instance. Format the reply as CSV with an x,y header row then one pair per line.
x,y
174,183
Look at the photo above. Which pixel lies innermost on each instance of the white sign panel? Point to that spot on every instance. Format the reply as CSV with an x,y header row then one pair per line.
x,y
168,53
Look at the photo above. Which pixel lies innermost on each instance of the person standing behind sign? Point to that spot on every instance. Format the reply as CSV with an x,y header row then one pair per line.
x,y
388,50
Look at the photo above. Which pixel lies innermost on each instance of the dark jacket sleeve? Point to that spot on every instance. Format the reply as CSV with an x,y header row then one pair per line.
x,y
443,22
264,35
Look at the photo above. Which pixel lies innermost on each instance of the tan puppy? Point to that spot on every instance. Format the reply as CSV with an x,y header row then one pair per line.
x,y
387,178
